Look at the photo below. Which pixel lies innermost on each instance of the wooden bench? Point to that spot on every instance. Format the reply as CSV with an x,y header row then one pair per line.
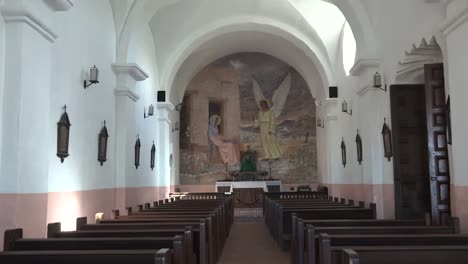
x,y
404,255
301,232
15,242
161,256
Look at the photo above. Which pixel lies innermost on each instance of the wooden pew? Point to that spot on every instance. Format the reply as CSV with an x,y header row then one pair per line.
x,y
161,256
330,246
405,255
193,239
301,231
177,244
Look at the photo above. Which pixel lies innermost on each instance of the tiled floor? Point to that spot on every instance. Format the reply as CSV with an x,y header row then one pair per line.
x,y
251,243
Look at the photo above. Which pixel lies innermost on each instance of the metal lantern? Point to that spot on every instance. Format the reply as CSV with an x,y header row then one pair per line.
x,y
378,82
359,147
63,135
320,122
150,111
387,141
153,156
137,152
93,77
343,152
102,144
344,108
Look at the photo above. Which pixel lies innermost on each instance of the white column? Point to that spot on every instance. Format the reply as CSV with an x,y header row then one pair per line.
x,y
125,127
25,102
164,142
332,139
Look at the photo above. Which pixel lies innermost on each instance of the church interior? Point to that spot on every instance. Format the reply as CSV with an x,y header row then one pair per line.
x,y
233,131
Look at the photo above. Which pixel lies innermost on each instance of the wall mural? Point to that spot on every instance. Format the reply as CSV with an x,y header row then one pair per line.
x,y
243,111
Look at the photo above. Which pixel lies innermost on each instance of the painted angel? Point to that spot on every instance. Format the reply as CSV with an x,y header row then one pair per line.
x,y
267,116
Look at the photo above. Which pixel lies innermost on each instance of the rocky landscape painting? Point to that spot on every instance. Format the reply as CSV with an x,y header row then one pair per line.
x,y
248,103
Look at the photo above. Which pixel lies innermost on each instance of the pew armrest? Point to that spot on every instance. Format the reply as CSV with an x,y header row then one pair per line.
x,y
81,221
53,229
164,256
10,237
350,256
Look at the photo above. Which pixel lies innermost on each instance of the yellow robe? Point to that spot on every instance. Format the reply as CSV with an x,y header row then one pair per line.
x,y
271,149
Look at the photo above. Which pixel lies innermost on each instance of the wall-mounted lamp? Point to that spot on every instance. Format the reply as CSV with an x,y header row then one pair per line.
x,y
150,112
320,122
177,126
378,82
93,77
178,107
344,108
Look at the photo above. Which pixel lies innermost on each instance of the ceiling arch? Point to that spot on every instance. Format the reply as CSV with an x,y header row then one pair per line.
x,y
252,42
282,43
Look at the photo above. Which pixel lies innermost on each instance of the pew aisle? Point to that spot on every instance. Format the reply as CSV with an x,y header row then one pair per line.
x,y
250,242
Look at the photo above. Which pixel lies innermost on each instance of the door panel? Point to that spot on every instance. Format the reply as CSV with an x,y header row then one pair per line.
x,y
439,172
412,195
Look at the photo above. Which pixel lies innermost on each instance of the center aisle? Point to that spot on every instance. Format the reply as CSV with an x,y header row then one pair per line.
x,y
249,243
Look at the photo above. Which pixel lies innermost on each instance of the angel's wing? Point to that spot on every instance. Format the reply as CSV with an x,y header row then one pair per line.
x,y
257,92
280,96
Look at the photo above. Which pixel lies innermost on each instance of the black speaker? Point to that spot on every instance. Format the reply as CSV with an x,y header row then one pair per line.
x,y
161,96
333,92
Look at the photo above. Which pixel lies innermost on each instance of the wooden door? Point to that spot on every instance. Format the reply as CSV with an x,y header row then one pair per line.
x,y
439,174
411,175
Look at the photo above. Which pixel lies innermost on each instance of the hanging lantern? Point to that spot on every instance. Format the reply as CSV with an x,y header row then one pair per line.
x,y
344,108
343,152
137,152
102,144
153,156
387,141
63,135
359,147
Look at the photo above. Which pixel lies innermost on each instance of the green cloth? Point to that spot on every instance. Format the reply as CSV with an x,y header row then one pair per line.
x,y
248,166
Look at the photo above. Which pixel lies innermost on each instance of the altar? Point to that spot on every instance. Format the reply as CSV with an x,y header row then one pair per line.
x,y
248,193
266,186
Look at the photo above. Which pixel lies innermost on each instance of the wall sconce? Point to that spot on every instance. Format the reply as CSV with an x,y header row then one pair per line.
x,y
344,108
359,147
137,152
102,144
378,82
63,135
343,152
320,122
153,156
93,77
387,140
178,107
177,126
150,112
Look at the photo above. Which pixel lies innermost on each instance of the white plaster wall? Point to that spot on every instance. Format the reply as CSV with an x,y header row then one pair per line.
x,y
2,83
395,34
457,42
83,43
142,52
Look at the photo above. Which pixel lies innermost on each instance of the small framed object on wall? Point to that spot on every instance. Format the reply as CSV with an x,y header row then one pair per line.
x,y
359,147
63,135
387,141
153,156
102,144
343,152
137,152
